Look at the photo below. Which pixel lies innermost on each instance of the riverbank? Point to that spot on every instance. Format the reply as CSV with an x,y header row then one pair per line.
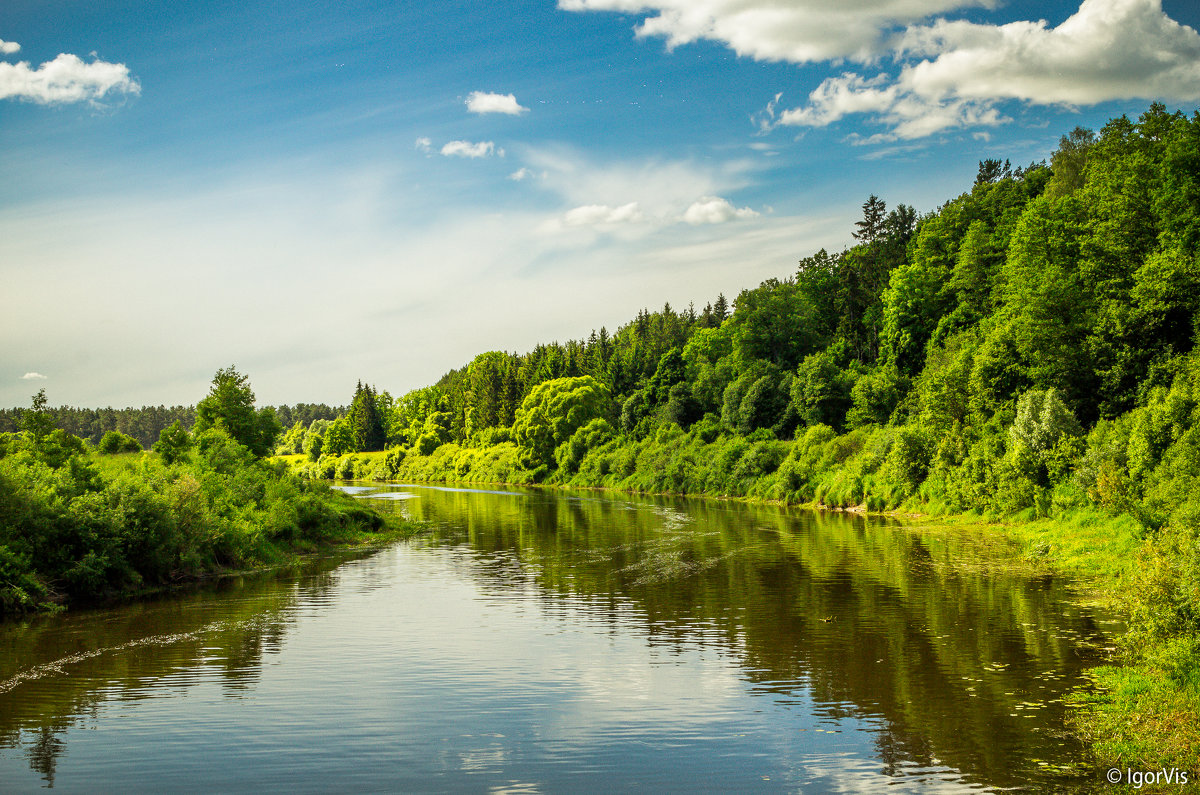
x,y
79,527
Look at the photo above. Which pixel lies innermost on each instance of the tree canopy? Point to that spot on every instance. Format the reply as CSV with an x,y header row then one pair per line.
x,y
229,406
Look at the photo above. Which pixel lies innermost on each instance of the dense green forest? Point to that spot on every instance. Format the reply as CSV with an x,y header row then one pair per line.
x,y
146,423
1026,350
79,523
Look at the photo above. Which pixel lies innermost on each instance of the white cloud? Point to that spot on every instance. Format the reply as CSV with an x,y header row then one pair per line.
x,y
65,79
522,174
424,145
637,198
33,377
715,210
952,73
661,188
1109,49
799,31
471,150
9,47
603,215
481,102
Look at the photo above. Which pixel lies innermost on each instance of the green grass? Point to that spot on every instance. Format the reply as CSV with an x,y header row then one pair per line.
x,y
1137,716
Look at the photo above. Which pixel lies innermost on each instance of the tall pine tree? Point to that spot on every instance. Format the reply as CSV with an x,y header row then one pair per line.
x,y
366,425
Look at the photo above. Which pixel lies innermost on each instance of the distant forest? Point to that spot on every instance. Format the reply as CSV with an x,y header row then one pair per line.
x,y
146,423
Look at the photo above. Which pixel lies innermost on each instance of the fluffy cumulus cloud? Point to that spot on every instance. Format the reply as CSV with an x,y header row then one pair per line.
x,y
65,79
800,31
33,377
482,102
1109,49
715,210
947,73
469,149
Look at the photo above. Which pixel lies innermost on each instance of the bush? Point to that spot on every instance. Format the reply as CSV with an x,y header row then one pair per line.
x,y
116,442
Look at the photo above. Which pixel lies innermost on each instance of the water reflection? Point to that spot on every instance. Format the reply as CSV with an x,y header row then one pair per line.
x,y
554,641
57,671
965,663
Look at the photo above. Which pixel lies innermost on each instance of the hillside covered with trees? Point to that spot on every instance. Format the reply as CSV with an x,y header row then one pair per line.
x,y
1026,350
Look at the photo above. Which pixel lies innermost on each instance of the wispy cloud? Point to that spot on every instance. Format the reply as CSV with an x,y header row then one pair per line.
x,y
469,149
65,79
522,174
650,195
482,102
603,215
33,377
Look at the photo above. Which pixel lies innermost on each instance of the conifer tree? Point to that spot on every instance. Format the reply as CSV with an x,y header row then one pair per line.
x,y
366,425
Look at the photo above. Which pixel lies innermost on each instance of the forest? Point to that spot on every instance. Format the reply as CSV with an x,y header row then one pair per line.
x,y
1024,352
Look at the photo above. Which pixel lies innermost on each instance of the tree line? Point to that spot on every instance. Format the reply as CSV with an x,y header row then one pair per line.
x,y
146,423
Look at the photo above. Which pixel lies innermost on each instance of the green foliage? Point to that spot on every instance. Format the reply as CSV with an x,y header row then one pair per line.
x,y
1042,420
36,420
820,390
173,443
570,454
116,442
682,408
365,421
314,439
670,371
554,410
338,438
774,323
764,404
96,525
1069,162
230,405
875,396
292,442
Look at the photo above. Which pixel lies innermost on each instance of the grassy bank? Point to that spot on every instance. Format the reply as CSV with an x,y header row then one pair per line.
x,y
78,526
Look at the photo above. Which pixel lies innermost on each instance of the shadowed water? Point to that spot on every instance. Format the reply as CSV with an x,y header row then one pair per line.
x,y
554,641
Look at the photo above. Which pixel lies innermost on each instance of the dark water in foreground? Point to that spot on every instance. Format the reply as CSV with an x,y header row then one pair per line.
x,y
551,642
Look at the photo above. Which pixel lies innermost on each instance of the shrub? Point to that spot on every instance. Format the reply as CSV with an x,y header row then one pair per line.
x,y
117,442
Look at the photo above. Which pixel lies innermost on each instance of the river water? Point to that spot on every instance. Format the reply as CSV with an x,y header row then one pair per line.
x,y
543,641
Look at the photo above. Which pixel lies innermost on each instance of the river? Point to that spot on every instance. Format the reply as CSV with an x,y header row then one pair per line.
x,y
553,641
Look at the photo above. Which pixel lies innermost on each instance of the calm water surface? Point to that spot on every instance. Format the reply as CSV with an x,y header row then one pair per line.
x,y
544,641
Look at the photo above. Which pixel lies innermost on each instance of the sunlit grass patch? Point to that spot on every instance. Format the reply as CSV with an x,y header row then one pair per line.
x,y
1137,715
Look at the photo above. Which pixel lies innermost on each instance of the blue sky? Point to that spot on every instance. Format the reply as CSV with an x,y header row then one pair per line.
x,y
380,190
